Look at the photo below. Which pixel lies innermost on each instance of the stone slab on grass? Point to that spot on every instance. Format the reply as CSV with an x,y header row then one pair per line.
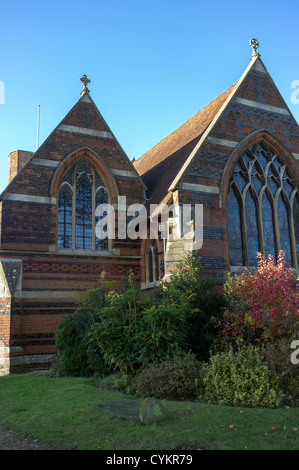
x,y
149,411
122,408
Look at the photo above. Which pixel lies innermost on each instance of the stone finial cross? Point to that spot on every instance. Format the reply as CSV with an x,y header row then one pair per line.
x,y
254,44
85,81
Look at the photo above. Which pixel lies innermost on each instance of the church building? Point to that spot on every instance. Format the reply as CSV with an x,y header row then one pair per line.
x,y
237,159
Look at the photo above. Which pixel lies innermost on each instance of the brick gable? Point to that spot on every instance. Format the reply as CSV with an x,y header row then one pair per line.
x,y
52,279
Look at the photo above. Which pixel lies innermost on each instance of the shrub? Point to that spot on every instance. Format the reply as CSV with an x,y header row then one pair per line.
x,y
173,379
134,330
239,378
78,354
206,304
263,304
277,356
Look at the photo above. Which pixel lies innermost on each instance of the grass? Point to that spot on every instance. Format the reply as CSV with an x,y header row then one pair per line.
x,y
62,412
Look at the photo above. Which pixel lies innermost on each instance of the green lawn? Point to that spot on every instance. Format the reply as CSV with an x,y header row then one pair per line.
x,y
62,412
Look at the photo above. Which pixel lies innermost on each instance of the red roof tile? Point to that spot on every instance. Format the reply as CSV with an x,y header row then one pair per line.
x,y
161,164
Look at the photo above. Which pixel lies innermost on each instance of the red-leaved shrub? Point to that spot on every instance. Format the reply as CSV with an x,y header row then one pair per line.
x,y
263,304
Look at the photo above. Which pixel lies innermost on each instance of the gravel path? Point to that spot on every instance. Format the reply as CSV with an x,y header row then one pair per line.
x,y
10,440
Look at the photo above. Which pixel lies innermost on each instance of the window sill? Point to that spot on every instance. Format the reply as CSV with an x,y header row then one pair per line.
x,y
235,269
80,252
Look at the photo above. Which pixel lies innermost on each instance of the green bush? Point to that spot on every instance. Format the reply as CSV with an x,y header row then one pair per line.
x,y
134,330
239,378
125,329
277,356
173,379
206,304
78,355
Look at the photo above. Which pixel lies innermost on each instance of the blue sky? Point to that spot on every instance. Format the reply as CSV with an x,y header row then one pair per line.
x,y
152,64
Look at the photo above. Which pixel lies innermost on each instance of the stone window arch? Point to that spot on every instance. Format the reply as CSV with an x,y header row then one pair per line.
x,y
262,208
81,190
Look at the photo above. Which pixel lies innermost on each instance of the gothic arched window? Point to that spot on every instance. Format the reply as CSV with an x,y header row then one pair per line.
x,y
262,208
80,192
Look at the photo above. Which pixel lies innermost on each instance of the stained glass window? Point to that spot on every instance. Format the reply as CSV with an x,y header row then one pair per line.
x,y
65,218
253,246
101,198
284,228
234,229
81,190
268,227
83,212
262,208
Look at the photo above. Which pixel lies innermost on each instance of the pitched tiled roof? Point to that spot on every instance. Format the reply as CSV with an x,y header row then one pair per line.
x,y
160,165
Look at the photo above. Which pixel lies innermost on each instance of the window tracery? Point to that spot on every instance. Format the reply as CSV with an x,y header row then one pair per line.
x,y
262,208
81,191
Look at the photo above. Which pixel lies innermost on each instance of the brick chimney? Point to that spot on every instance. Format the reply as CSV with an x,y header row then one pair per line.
x,y
17,159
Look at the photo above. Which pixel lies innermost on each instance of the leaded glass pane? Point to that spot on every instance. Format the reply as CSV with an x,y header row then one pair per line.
x,y
268,227
288,186
101,198
256,181
279,167
65,218
239,178
84,168
253,246
99,182
234,229
84,212
272,182
156,263
284,228
68,177
296,224
262,159
150,266
246,159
